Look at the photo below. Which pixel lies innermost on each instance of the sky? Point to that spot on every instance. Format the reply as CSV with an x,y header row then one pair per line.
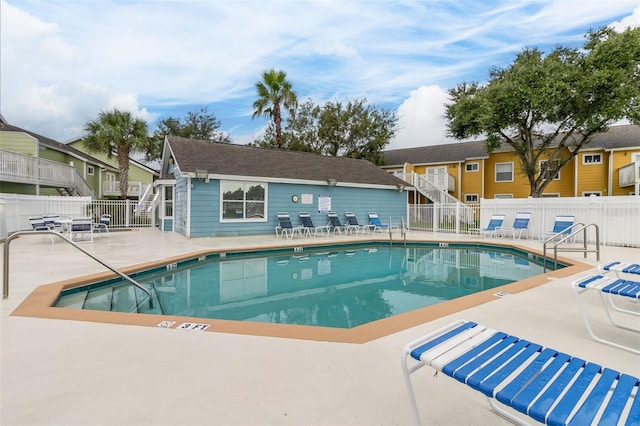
x,y
64,61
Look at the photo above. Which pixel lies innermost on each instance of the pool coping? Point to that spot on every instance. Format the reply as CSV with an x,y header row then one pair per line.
x,y
38,303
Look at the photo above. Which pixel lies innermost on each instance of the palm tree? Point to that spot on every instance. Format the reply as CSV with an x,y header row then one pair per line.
x,y
274,93
116,131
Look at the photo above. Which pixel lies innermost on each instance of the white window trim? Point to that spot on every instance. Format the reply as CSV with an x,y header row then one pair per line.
x,y
91,170
466,196
540,168
495,176
503,196
585,163
588,193
635,155
475,163
244,220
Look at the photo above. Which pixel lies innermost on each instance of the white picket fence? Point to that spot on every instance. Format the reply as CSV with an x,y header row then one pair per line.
x,y
618,218
15,210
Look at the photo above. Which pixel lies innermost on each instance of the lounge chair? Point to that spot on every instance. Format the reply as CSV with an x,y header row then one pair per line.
x,y
374,221
82,227
308,227
520,226
103,224
495,222
561,225
353,225
38,224
613,287
620,267
547,385
285,227
52,221
334,223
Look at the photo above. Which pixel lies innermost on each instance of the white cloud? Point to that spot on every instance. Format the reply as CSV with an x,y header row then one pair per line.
x,y
631,21
421,119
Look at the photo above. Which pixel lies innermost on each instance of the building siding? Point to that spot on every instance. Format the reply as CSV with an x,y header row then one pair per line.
x,y
20,143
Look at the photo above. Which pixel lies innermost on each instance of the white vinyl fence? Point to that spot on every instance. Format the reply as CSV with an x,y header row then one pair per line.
x,y
15,210
618,218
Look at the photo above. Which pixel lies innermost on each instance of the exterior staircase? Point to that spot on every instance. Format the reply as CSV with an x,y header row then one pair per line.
x,y
439,196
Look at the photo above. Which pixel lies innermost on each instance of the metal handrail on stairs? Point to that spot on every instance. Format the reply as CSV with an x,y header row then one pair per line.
x,y
581,227
5,281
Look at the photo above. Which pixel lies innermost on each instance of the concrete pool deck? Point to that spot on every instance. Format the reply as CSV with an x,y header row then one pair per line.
x,y
67,372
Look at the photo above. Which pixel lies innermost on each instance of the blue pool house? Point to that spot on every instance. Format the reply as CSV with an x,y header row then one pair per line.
x,y
210,189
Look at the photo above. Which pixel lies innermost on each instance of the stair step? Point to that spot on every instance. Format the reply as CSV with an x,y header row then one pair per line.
x,y
99,299
73,300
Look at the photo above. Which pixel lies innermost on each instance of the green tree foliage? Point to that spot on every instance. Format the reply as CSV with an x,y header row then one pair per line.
x,y
547,108
196,125
117,132
354,130
275,93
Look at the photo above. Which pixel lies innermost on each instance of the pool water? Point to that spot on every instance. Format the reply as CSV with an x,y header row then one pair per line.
x,y
340,287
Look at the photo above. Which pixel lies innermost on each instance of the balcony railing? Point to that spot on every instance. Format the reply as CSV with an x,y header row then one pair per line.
x,y
22,168
629,175
134,189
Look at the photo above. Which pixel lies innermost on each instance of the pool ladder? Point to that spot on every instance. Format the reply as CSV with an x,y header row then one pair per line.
x,y
577,228
403,232
5,278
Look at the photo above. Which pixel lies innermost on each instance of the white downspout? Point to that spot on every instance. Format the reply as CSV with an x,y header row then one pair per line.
x,y
575,175
188,221
610,174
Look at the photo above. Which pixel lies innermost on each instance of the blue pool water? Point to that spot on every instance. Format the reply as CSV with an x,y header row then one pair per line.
x,y
343,287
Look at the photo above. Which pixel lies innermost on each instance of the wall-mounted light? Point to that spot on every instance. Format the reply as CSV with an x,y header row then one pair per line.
x,y
332,182
400,188
202,175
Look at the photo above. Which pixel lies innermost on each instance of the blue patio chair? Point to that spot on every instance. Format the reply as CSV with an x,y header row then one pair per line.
x,y
549,386
285,228
495,222
334,223
561,227
52,221
520,226
374,221
308,227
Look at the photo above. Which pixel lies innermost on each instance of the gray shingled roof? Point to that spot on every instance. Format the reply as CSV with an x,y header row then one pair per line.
x,y
241,160
616,137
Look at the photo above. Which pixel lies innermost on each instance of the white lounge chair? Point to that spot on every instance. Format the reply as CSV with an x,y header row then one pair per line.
x,y
285,228
103,224
547,385
334,223
495,222
520,226
81,228
613,287
620,267
308,227
561,227
353,225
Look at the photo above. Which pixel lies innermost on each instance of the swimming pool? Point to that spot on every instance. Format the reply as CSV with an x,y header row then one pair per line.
x,y
325,286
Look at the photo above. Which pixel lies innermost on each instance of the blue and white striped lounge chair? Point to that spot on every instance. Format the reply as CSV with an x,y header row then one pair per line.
x,y
620,267
549,386
374,220
103,224
561,227
613,287
495,222
308,227
285,227
520,226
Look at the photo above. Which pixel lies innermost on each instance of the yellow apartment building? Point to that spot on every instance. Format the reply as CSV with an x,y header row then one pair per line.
x,y
609,165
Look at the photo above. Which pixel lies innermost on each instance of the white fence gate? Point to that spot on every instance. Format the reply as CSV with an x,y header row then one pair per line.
x,y
618,218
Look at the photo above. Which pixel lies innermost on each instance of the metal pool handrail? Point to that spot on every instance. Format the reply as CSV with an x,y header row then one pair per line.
x,y
5,280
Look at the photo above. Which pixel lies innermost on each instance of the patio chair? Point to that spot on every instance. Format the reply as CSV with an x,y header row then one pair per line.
x,y
103,224
285,228
620,267
495,222
374,221
334,223
561,227
547,385
520,226
82,227
38,224
353,225
308,227
52,221
613,287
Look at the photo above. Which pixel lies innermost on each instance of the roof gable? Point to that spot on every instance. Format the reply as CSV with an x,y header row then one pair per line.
x,y
241,160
